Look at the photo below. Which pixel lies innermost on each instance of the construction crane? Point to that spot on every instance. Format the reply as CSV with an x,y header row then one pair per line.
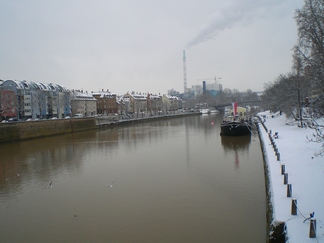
x,y
208,79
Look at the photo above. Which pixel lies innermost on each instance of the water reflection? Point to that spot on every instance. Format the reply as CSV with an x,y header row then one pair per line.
x,y
41,159
173,181
235,144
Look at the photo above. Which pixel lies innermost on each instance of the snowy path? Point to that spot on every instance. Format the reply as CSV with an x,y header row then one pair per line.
x,y
305,174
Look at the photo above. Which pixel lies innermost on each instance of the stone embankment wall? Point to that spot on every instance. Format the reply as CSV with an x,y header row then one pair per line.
x,y
103,122
33,129
25,130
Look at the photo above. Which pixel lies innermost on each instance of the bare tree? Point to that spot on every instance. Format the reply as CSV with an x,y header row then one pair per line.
x,y
310,22
7,105
4,110
297,65
39,102
278,95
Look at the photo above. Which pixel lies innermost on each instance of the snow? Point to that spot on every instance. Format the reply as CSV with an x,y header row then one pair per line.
x,y
305,174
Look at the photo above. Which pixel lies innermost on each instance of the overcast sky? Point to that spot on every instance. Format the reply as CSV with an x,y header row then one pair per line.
x,y
129,45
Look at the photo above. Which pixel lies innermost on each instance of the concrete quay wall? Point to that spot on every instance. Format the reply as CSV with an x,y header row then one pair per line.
x,y
104,123
16,131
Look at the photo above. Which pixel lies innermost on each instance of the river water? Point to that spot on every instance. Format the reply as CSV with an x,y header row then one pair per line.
x,y
173,180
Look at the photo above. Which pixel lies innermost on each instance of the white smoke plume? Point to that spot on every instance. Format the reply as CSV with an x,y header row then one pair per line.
x,y
229,15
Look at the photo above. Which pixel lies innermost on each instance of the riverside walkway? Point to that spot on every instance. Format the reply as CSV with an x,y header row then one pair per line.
x,y
296,179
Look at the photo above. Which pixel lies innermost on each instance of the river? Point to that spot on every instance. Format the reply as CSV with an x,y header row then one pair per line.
x,y
171,180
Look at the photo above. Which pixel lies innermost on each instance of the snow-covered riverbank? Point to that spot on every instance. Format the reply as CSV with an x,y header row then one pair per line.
x,y
305,174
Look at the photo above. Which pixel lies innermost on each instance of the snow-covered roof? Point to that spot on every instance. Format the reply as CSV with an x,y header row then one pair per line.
x,y
170,97
120,98
103,94
139,97
58,88
78,95
19,84
43,86
30,85
155,96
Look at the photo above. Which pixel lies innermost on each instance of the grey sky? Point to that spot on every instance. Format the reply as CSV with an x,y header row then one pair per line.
x,y
130,45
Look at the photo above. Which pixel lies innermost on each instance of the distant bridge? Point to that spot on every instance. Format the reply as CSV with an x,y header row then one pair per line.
x,y
221,106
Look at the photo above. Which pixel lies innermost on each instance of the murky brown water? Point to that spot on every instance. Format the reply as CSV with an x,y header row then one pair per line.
x,y
174,180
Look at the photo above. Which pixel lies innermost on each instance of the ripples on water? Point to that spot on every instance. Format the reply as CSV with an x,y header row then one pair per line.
x,y
175,180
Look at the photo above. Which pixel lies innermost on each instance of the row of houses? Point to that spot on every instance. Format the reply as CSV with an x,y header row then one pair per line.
x,y
26,99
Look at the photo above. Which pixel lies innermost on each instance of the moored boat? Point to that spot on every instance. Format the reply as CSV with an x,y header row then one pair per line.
x,y
204,111
214,111
236,123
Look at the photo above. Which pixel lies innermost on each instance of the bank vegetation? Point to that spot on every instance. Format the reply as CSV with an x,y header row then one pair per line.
x,y
300,92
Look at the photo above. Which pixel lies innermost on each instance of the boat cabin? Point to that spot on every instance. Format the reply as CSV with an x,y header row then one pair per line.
x,y
241,111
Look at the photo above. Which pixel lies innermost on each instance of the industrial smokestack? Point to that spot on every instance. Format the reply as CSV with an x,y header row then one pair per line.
x,y
184,73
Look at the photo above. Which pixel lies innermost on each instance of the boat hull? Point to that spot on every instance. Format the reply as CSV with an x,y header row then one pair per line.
x,y
235,129
204,111
214,111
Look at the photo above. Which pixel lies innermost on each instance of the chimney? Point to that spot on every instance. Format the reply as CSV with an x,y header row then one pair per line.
x,y
184,73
